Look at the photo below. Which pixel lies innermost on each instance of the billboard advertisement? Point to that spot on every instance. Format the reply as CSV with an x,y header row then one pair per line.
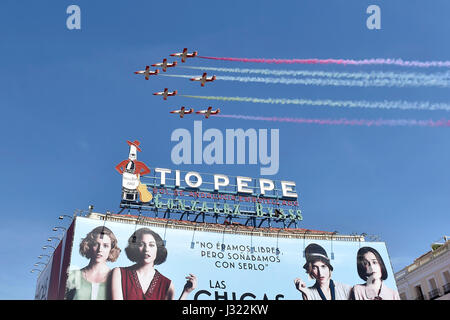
x,y
43,282
119,260
68,242
55,273
52,279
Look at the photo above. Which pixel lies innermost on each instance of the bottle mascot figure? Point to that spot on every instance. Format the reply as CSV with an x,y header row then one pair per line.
x,y
131,170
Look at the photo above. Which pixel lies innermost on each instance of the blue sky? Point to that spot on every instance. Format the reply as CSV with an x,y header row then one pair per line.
x,y
70,101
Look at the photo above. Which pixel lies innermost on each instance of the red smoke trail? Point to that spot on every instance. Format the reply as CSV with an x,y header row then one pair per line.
x,y
346,122
378,61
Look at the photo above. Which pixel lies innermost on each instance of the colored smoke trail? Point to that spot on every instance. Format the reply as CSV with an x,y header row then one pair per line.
x,y
345,122
351,75
403,105
378,61
331,82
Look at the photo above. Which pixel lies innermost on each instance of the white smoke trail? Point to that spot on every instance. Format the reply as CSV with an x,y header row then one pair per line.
x,y
402,105
346,122
380,82
351,75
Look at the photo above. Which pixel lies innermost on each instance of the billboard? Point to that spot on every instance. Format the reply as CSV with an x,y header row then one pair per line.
x,y
127,261
68,242
43,282
52,279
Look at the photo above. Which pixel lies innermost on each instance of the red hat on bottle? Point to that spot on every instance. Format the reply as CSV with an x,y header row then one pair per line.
x,y
135,143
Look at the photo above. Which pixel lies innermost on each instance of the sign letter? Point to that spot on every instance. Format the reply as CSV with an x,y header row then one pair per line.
x,y
266,185
286,186
163,174
191,184
217,183
242,183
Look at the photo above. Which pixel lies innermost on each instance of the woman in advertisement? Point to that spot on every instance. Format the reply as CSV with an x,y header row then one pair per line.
x,y
318,267
371,269
142,281
93,281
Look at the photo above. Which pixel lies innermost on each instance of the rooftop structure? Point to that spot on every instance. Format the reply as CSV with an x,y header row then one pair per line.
x,y
226,227
428,277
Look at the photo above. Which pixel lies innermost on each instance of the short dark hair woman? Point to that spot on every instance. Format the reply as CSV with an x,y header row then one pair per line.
x,y
92,282
318,267
133,251
371,269
142,281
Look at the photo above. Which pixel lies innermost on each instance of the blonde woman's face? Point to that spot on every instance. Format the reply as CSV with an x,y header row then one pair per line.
x,y
100,248
147,248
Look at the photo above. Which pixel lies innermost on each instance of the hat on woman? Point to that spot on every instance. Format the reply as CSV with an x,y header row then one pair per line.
x,y
315,252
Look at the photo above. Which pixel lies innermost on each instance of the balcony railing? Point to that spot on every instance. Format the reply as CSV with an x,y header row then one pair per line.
x,y
433,294
446,288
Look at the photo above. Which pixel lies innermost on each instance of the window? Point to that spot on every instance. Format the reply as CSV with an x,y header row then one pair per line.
x,y
434,292
419,293
446,286
432,284
446,277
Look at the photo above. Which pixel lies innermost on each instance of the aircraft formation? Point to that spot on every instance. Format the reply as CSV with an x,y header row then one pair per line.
x,y
166,93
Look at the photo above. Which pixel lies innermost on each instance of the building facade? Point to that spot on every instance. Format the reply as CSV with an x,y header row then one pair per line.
x,y
428,278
